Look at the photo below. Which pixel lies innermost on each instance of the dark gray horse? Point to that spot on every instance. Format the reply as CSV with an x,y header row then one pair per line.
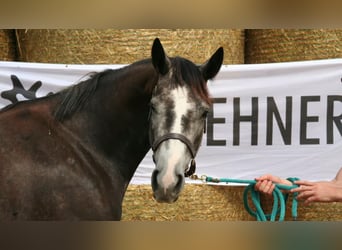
x,y
71,155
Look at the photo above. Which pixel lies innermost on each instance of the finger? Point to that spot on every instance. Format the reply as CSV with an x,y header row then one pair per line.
x,y
301,188
305,195
307,202
294,190
267,187
270,188
305,183
257,186
260,186
310,200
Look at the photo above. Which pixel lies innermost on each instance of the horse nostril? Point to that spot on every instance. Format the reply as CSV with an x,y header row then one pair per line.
x,y
179,184
154,182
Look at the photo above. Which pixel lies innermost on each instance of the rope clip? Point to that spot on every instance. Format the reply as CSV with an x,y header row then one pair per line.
x,y
196,177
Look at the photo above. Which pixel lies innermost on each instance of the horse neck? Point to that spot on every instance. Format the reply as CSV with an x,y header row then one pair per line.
x,y
115,120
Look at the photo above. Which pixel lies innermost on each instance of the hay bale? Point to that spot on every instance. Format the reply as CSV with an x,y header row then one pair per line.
x,y
7,45
196,203
126,46
284,45
212,203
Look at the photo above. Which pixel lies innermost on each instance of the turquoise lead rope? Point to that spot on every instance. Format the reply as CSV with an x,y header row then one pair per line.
x,y
279,198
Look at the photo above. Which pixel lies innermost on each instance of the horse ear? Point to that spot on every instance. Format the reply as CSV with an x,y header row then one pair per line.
x,y
159,59
213,65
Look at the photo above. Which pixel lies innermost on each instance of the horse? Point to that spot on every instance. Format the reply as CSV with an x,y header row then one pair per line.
x,y
71,155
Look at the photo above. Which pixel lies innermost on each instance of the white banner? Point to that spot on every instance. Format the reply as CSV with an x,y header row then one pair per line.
x,y
283,118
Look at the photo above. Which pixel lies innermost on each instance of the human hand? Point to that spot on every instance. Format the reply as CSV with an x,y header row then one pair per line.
x,y
324,191
266,183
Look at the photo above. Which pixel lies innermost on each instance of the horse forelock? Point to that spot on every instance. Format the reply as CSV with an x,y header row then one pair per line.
x,y
186,72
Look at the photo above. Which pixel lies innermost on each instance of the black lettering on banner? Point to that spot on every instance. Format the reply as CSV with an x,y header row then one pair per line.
x,y
305,119
285,130
238,118
211,120
331,119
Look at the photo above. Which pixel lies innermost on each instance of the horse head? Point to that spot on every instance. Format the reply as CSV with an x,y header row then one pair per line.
x,y
179,105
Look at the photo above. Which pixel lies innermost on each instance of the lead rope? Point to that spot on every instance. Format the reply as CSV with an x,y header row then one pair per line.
x,y
279,198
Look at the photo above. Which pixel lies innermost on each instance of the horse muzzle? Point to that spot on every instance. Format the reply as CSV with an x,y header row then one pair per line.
x,y
166,193
167,188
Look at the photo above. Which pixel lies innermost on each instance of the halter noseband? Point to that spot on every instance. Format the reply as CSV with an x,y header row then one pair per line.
x,y
189,171
176,136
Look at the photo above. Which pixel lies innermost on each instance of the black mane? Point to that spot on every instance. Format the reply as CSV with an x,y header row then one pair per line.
x,y
74,97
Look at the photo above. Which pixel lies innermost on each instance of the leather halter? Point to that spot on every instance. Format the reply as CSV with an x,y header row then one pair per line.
x,y
176,136
190,170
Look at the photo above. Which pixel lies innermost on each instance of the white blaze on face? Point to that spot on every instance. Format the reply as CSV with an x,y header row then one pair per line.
x,y
180,97
176,149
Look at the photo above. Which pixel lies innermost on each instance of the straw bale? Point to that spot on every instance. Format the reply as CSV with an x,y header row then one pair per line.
x,y
109,46
7,45
284,45
196,203
211,203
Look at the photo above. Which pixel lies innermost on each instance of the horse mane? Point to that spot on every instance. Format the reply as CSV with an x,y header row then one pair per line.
x,y
186,72
74,97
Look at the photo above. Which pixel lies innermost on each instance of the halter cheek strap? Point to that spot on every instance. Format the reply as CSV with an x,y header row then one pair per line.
x,y
191,169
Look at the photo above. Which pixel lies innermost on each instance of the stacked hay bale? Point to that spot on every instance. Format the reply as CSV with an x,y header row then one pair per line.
x,y
285,45
214,203
125,46
196,203
7,45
